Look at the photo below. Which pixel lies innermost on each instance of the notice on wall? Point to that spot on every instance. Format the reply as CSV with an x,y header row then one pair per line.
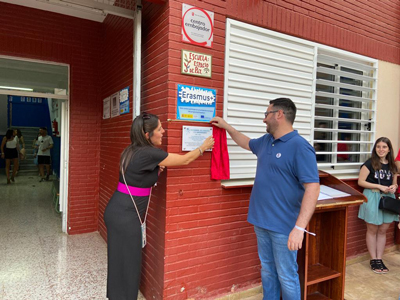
x,y
196,64
197,26
106,108
194,136
114,105
124,101
195,103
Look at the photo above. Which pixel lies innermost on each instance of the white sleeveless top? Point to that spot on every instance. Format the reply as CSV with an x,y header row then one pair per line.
x,y
12,144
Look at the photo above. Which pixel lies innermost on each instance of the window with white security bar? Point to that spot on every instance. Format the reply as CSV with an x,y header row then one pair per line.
x,y
344,114
334,91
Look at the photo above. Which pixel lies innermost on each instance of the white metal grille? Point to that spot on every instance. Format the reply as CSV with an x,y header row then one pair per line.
x,y
261,65
345,105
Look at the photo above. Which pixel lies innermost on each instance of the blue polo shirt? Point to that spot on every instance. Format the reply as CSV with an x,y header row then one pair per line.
x,y
283,165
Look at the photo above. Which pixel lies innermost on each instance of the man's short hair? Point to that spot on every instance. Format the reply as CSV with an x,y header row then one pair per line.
x,y
43,128
288,107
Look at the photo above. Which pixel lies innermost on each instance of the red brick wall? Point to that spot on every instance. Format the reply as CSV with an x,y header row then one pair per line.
x,y
36,34
118,73
116,70
367,27
155,56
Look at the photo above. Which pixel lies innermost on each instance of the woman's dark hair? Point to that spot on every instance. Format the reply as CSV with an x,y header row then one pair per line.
x,y
9,134
19,133
142,124
375,161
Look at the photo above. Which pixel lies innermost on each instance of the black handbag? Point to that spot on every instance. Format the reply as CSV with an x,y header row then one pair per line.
x,y
388,203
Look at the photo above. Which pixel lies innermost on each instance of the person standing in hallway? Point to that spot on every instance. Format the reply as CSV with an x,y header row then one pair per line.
x,y
378,175
283,198
21,141
35,146
140,165
44,157
9,152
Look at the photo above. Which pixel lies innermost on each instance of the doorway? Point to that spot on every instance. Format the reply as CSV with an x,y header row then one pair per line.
x,y
39,81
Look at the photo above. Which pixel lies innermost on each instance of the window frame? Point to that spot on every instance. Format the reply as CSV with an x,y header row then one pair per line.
x,y
344,170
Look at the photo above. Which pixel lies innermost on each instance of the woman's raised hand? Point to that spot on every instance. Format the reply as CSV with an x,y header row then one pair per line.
x,y
208,143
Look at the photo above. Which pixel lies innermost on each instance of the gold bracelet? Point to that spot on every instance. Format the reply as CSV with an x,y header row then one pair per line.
x,y
201,151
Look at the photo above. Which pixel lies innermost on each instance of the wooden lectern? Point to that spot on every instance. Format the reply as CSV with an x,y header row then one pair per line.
x,y
322,259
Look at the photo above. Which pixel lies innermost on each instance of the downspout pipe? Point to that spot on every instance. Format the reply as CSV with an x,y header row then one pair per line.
x,y
137,58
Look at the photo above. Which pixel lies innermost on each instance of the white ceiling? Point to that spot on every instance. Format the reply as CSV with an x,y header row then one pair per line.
x,y
94,10
41,77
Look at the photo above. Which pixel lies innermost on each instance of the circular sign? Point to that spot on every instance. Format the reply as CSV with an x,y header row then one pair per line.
x,y
197,26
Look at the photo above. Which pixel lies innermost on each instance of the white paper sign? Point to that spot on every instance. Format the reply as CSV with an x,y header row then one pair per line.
x,y
193,137
115,105
106,108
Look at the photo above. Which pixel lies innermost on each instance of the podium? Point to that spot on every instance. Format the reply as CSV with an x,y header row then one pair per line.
x,y
322,259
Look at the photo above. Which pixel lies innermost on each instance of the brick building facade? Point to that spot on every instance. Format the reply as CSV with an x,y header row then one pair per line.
x,y
199,242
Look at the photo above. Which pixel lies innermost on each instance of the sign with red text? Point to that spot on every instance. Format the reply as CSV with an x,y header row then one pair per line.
x,y
197,26
196,64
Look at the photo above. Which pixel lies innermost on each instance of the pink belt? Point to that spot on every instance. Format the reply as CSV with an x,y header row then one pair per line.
x,y
135,191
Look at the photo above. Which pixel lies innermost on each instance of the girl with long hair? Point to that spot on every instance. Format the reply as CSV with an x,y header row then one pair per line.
x,y
9,152
378,175
125,214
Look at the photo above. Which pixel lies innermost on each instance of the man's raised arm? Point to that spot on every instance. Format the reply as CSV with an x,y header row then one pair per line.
x,y
239,138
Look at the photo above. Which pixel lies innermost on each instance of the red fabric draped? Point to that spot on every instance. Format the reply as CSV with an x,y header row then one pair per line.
x,y
220,157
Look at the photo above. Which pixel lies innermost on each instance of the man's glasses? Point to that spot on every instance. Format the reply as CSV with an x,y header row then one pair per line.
x,y
270,112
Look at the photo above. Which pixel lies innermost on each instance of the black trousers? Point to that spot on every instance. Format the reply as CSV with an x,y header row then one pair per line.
x,y
124,245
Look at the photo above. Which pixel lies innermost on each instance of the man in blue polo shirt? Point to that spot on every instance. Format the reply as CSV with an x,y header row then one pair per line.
x,y
283,198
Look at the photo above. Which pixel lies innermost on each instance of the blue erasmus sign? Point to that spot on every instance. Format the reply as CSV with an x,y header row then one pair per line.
x,y
195,103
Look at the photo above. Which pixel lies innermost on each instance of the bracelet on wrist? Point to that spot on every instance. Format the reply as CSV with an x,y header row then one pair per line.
x,y
201,151
303,229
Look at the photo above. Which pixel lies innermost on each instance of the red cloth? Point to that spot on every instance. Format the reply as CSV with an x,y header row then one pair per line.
x,y
341,147
220,157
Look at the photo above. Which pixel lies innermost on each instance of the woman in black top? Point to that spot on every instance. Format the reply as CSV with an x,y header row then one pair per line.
x,y
377,175
140,165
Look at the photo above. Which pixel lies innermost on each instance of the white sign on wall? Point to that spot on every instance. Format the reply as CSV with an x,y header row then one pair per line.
x,y
197,26
106,108
193,137
115,105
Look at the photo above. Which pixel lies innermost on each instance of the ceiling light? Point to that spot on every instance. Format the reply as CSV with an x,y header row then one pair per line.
x,y
16,88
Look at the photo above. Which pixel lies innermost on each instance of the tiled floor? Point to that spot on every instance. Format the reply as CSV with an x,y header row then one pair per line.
x,y
38,261
362,283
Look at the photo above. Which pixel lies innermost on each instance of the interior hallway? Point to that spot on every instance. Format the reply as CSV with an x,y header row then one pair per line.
x,y
38,261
